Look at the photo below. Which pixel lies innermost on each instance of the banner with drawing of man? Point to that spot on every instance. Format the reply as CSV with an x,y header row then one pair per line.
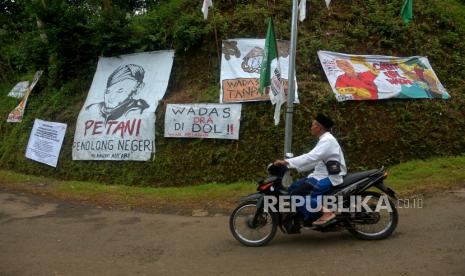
x,y
241,60
372,77
117,120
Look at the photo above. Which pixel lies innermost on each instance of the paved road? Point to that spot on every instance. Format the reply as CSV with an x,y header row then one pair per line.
x,y
44,237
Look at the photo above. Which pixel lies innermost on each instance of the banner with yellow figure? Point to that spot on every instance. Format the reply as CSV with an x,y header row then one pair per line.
x,y
371,77
16,116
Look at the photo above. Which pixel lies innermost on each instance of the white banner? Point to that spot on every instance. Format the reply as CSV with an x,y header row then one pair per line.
x,y
19,90
218,121
45,142
117,121
241,60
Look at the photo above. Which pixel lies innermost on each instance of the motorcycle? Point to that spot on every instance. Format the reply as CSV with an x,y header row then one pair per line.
x,y
254,225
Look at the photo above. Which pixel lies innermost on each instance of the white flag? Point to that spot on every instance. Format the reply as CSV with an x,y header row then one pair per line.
x,y
302,10
277,95
205,6
327,3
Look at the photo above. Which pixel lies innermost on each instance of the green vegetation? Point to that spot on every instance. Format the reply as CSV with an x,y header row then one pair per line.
x,y
410,178
428,175
65,38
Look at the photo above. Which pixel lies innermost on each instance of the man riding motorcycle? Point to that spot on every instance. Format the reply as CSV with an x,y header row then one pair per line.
x,y
327,160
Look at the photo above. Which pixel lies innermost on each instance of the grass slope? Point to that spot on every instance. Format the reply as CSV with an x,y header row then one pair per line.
x,y
411,178
371,133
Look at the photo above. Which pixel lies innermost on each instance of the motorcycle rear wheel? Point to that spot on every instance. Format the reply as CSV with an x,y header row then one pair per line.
x,y
243,230
383,222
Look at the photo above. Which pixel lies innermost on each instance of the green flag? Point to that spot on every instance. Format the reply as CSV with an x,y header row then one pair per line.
x,y
406,12
270,53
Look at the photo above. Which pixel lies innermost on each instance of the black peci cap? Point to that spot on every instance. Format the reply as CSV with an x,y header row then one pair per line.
x,y
325,121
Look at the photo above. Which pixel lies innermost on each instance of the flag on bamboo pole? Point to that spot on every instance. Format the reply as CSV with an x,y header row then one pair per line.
x,y
206,4
270,52
275,82
327,3
302,10
406,12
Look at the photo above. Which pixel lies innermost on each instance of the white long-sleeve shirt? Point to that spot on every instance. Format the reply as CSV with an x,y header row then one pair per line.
x,y
325,150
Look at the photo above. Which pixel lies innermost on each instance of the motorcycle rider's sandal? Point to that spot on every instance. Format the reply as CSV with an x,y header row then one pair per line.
x,y
324,222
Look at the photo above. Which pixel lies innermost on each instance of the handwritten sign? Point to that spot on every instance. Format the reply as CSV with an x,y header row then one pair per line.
x,y
217,121
242,89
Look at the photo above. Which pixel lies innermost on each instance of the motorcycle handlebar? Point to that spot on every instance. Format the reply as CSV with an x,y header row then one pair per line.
x,y
278,171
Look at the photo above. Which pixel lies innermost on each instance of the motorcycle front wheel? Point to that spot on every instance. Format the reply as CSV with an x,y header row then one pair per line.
x,y
248,233
375,225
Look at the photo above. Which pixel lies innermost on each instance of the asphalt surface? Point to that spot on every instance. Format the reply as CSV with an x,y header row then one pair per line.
x,y
40,236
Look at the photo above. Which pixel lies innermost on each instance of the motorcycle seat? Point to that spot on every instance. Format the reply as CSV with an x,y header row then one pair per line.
x,y
352,178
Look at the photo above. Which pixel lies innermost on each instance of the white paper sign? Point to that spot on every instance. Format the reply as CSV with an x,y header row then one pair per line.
x,y
241,61
218,121
117,121
19,89
45,142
